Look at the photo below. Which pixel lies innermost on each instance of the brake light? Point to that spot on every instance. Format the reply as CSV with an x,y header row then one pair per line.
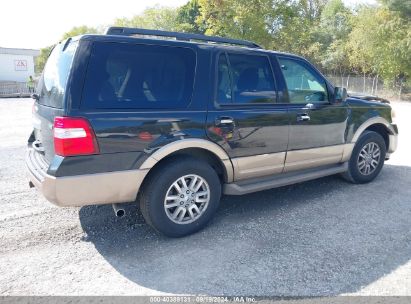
x,y
74,136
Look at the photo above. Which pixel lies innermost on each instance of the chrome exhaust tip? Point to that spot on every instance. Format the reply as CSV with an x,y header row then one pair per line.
x,y
118,211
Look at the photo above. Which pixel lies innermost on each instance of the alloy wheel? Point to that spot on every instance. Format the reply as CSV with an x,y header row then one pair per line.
x,y
187,199
369,158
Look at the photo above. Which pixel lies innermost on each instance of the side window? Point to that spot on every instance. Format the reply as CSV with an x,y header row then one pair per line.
x,y
122,75
303,85
245,79
224,94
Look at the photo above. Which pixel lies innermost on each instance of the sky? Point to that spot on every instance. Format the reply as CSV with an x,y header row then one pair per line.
x,y
40,23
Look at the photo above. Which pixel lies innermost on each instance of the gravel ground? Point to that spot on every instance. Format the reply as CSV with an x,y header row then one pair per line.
x,y
323,237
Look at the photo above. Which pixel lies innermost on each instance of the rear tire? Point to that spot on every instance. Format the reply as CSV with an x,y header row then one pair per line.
x,y
180,197
367,158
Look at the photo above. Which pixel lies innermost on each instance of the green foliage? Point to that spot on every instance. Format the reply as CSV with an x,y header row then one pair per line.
x,y
370,40
187,16
331,33
240,19
45,52
79,30
380,43
279,24
401,6
41,59
334,22
156,17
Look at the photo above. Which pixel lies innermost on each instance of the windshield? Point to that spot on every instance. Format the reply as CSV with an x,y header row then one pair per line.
x,y
53,81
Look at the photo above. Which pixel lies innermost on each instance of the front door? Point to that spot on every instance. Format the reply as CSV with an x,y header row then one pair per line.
x,y
244,118
317,127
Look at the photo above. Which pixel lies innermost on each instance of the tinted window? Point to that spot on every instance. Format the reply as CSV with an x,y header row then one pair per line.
x,y
224,94
303,84
245,79
53,81
122,75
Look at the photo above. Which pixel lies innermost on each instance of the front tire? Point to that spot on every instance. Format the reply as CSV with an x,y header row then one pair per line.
x,y
180,197
367,158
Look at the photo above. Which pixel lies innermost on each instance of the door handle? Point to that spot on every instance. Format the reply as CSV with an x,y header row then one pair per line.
x,y
303,117
224,121
309,106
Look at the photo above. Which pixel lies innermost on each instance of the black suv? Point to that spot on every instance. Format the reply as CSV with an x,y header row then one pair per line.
x,y
176,122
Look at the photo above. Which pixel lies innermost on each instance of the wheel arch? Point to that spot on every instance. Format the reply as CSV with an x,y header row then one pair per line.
x,y
378,125
381,130
196,148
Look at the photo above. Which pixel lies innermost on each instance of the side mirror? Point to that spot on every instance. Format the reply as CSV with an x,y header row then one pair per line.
x,y
340,94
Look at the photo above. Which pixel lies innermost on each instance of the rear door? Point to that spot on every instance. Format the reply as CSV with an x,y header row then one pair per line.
x,y
51,91
245,117
317,127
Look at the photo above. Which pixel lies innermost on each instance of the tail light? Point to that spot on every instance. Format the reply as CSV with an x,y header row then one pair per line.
x,y
74,136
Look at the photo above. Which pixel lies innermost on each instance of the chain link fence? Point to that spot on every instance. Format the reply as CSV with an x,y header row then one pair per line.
x,y
371,85
14,89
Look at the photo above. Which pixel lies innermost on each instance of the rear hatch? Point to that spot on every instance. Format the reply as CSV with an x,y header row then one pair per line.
x,y
51,100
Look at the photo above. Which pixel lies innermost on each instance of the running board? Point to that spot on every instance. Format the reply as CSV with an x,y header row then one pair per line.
x,y
283,179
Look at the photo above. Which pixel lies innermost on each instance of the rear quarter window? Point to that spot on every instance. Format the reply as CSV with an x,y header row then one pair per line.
x,y
135,76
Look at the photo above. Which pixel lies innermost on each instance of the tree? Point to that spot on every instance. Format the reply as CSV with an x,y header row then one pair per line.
x,y
79,30
401,6
371,40
332,34
240,19
380,44
361,42
41,59
292,26
334,22
187,16
45,52
279,24
156,17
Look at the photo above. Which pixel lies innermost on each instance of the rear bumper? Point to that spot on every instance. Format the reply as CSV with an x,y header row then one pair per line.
x,y
82,190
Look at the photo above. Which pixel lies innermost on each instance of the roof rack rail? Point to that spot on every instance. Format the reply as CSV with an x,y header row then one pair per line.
x,y
127,31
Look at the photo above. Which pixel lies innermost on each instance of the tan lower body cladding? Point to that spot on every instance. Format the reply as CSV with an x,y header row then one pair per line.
x,y
274,163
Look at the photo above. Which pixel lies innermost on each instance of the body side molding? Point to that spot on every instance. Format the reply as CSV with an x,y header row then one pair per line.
x,y
313,157
258,165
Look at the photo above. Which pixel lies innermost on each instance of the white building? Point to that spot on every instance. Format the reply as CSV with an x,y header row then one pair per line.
x,y
17,64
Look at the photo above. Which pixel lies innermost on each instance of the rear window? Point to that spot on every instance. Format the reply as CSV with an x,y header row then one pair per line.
x,y
53,81
130,76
